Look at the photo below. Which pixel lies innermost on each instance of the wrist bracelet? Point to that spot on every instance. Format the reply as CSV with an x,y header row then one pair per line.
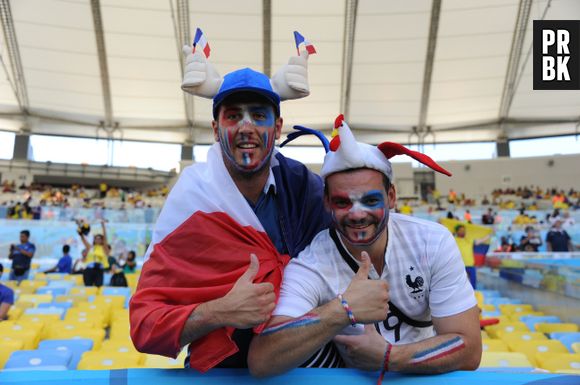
x,y
347,309
385,363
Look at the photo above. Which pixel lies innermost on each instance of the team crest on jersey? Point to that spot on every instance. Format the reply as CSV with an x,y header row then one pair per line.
x,y
415,284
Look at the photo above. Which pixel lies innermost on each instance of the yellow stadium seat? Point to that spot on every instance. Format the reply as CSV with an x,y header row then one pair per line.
x,y
14,313
94,316
120,331
132,280
11,284
53,331
520,336
504,360
508,309
507,327
515,317
576,347
7,348
74,299
122,347
24,290
490,345
556,327
97,335
479,298
39,318
558,361
119,314
155,361
102,308
95,360
31,283
487,307
76,278
91,290
531,348
41,277
115,301
35,298
484,335
29,338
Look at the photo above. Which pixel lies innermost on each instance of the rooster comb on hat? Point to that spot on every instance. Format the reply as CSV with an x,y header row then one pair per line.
x,y
345,153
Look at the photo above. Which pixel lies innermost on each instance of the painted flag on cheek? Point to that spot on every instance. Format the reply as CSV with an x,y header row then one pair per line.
x,y
301,42
201,42
201,245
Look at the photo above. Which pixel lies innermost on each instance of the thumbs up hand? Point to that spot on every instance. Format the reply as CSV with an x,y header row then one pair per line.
x,y
367,298
249,304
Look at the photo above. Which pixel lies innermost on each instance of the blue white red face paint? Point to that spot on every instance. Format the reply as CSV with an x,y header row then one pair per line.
x,y
306,319
247,133
360,216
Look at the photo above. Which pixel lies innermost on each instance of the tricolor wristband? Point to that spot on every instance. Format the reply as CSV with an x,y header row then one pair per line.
x,y
385,363
347,309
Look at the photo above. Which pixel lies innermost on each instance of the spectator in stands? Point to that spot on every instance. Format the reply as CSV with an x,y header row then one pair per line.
x,y
558,239
485,201
505,246
64,264
429,304
130,264
488,218
467,216
80,264
567,220
465,245
21,256
452,196
6,298
184,295
103,190
406,208
531,241
97,257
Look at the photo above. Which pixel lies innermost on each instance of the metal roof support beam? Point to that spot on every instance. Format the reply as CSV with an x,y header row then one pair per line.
x,y
267,35
509,86
350,12
428,73
19,83
102,55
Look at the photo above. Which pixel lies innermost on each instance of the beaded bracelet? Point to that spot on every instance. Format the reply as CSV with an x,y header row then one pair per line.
x,y
347,309
385,363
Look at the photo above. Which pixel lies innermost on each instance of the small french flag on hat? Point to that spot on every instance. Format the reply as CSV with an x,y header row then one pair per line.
x,y
201,41
302,42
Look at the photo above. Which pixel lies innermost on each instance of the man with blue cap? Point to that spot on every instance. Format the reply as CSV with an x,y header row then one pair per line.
x,y
229,226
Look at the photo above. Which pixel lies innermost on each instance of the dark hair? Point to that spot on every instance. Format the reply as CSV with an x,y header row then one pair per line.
x,y
457,227
386,181
1,268
131,254
25,232
65,249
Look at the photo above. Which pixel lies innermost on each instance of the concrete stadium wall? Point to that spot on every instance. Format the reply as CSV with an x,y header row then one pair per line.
x,y
478,177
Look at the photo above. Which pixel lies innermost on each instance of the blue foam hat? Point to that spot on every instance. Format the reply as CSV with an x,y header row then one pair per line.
x,y
246,80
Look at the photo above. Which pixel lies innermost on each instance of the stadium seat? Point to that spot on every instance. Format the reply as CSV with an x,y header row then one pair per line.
x,y
29,336
92,290
94,316
496,361
6,349
95,360
65,284
64,305
115,301
124,346
507,327
31,283
76,279
556,327
567,338
508,309
24,290
38,360
96,335
75,347
518,316
487,307
490,313
73,299
489,293
532,320
155,361
531,348
520,336
59,311
55,329
14,313
496,301
35,298
494,345
52,290
109,290
558,361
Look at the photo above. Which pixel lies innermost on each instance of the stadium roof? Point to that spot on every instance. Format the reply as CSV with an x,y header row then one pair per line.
x,y
429,70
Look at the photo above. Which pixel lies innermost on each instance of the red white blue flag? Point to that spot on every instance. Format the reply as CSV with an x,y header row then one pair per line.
x,y
201,41
301,42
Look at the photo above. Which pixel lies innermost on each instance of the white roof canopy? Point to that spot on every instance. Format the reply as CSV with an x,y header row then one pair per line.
x,y
434,71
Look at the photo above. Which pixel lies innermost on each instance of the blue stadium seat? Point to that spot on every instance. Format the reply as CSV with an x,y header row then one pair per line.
x,y
54,290
531,320
47,310
490,293
109,290
67,284
76,347
567,338
64,305
501,301
38,360
495,313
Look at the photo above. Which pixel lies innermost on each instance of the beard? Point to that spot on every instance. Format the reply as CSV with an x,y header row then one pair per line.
x,y
372,223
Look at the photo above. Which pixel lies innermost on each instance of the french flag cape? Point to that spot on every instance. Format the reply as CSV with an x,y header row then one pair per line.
x,y
202,244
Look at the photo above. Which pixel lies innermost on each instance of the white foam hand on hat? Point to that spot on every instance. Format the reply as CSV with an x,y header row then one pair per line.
x,y
291,80
199,76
